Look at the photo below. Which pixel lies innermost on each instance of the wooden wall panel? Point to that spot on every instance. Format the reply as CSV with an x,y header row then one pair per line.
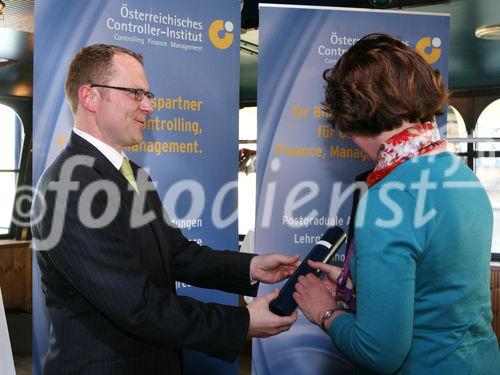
x,y
15,274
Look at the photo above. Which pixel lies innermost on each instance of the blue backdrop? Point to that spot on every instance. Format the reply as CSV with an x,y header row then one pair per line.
x,y
305,169
191,52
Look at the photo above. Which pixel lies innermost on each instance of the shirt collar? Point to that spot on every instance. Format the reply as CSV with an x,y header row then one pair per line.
x,y
109,152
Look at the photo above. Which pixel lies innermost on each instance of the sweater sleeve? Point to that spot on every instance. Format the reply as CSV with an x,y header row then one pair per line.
x,y
379,334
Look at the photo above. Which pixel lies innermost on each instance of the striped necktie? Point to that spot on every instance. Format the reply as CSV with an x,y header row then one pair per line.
x,y
126,171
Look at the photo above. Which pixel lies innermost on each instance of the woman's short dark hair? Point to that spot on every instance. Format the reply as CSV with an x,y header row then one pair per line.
x,y
378,84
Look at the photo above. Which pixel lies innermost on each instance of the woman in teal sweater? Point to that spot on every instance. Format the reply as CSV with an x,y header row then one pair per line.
x,y
413,296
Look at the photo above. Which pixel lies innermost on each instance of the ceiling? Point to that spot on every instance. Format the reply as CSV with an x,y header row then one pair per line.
x,y
16,46
474,63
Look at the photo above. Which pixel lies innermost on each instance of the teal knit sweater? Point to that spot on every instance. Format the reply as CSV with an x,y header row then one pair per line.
x,y
421,269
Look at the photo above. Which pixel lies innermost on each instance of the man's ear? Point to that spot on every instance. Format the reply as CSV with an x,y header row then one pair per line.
x,y
87,97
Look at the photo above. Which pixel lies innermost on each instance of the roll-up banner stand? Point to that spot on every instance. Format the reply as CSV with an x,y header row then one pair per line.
x,y
306,169
190,147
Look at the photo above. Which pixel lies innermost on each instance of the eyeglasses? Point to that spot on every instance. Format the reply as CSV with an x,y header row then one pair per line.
x,y
139,94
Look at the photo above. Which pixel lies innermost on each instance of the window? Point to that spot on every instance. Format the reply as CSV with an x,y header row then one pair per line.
x,y
479,147
455,130
11,144
247,177
487,163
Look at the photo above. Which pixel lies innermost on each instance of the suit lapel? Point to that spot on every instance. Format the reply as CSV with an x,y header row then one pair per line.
x,y
102,165
153,257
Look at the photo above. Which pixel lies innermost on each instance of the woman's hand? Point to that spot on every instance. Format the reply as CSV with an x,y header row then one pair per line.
x,y
313,296
329,276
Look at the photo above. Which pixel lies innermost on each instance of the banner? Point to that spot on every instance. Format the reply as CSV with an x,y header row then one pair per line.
x,y
191,58
306,169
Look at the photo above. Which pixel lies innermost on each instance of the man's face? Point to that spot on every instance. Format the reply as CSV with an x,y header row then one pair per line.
x,y
119,116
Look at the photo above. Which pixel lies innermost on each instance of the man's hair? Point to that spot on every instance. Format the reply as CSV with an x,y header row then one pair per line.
x,y
92,64
378,84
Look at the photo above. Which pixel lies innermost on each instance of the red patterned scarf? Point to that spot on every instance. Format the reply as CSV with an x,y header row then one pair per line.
x,y
416,140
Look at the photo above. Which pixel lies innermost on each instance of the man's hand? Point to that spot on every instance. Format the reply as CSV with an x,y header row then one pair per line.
x,y
263,323
272,268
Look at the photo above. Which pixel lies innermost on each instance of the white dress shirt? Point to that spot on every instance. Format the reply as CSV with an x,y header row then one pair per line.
x,y
109,152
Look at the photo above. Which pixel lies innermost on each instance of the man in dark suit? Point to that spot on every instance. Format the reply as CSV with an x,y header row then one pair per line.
x,y
109,258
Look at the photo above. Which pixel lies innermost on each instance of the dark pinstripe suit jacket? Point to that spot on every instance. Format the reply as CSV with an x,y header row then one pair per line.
x,y
110,292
